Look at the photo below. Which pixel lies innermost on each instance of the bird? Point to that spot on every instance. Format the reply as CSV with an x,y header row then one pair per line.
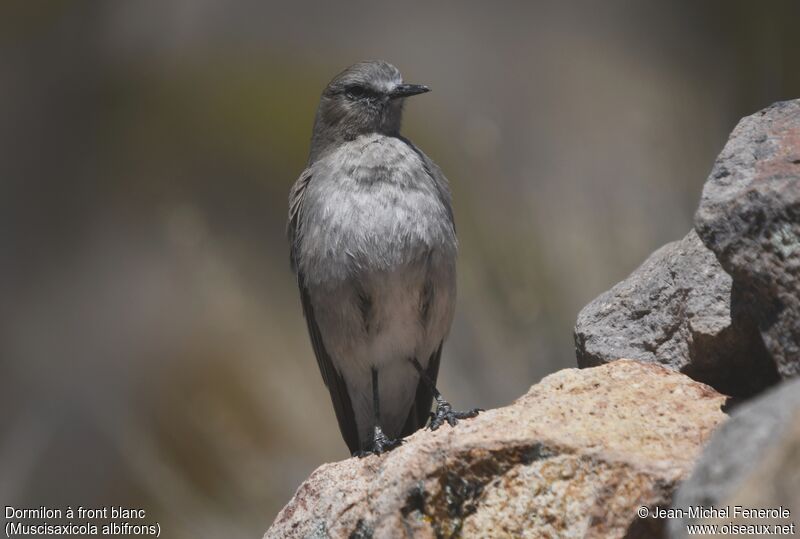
x,y
373,245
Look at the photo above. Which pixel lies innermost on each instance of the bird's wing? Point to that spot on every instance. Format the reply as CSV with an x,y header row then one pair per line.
x,y
336,384
439,180
333,380
421,409
295,204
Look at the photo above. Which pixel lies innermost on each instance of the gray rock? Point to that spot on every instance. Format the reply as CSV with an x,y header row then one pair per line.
x,y
738,464
749,216
676,310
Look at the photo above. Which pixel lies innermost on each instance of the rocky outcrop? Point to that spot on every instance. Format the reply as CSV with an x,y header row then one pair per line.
x,y
723,304
749,216
678,309
751,461
574,457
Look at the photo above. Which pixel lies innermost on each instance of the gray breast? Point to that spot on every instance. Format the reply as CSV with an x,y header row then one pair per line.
x,y
371,206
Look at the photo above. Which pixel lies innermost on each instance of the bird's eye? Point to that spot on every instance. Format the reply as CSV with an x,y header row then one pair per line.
x,y
355,92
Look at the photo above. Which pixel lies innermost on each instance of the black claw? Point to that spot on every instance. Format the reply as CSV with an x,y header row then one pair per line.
x,y
444,412
380,444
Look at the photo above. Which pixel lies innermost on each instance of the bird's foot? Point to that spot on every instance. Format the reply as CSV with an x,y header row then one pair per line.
x,y
444,412
380,444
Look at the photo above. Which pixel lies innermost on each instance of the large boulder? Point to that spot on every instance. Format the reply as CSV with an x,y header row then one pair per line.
x,y
752,461
574,457
749,216
678,309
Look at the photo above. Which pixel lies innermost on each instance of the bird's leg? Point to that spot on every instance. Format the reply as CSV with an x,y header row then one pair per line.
x,y
444,412
380,443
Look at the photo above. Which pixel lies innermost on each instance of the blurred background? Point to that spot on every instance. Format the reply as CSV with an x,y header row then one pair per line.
x,y
152,349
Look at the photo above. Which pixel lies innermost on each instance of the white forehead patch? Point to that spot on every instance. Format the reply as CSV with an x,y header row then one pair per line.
x,y
388,86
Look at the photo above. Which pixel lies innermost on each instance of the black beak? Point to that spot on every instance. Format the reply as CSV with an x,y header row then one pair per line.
x,y
407,90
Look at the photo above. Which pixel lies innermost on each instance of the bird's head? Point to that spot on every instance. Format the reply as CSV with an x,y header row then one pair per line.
x,y
364,98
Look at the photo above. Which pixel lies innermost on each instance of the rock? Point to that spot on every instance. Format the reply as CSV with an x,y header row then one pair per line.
x,y
574,457
753,460
676,310
749,216
774,484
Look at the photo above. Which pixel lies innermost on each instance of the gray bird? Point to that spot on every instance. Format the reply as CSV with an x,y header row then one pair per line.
x,y
373,244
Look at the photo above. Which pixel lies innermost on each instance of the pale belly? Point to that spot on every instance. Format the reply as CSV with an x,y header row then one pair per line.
x,y
385,332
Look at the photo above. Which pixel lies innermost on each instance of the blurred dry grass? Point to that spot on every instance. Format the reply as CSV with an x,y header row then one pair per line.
x,y
152,349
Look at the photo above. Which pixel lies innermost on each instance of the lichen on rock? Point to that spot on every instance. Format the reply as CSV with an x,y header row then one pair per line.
x,y
574,457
